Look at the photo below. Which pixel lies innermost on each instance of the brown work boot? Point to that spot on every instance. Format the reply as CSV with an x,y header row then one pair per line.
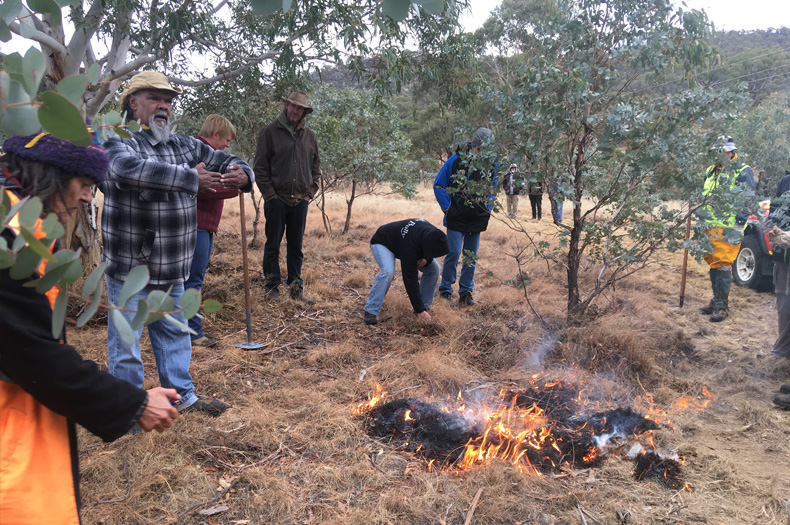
x,y
371,319
707,310
273,294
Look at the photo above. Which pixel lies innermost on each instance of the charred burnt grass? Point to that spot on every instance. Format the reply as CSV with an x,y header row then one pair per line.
x,y
437,432
289,450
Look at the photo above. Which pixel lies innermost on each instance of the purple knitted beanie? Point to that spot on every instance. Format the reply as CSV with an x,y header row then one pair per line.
x,y
89,161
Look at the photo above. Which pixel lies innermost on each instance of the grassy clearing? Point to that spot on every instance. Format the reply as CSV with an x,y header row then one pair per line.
x,y
289,451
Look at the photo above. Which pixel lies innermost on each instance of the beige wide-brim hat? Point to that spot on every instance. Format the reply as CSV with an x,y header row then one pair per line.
x,y
148,80
299,98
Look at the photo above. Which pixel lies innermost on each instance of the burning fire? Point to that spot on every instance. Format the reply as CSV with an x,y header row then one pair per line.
x,y
542,428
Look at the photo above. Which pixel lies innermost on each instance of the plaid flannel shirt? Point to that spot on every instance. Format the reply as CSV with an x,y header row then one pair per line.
x,y
149,215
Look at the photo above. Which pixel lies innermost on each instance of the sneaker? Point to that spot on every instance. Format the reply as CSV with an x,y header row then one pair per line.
x,y
707,310
205,341
782,401
785,388
212,408
467,300
273,294
298,295
371,319
447,296
719,316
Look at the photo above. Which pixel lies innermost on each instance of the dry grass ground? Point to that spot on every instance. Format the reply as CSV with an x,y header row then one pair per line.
x,y
289,451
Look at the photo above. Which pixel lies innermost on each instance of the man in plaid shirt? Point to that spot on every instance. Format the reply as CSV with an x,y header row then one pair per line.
x,y
149,218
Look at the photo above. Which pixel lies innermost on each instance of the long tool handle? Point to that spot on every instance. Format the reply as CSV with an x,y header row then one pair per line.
x,y
246,267
685,263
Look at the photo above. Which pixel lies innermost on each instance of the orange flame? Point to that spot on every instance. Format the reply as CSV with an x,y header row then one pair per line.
x,y
368,405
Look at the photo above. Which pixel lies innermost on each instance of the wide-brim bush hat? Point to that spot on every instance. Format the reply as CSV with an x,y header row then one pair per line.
x,y
149,80
299,98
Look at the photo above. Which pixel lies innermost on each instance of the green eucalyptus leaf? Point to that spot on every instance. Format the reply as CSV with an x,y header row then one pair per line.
x,y
432,7
27,261
30,213
59,313
211,306
397,9
141,316
62,118
134,126
13,63
113,118
172,320
5,32
190,302
266,7
155,300
50,7
93,280
38,246
6,259
53,274
286,6
91,309
122,133
52,227
73,88
122,326
73,272
10,10
20,119
27,29
15,209
94,73
136,280
33,67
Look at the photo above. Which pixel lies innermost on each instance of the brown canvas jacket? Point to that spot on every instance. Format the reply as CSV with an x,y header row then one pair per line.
x,y
287,162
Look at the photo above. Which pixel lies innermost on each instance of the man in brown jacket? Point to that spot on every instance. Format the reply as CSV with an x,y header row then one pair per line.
x,y
287,168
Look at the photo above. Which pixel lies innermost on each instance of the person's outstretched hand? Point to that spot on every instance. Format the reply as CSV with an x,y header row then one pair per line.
x,y
159,413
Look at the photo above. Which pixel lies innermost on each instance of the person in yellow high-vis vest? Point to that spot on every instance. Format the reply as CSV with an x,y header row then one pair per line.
x,y
46,387
720,260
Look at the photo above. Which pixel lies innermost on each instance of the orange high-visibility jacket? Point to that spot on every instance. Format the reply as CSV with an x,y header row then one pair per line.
x,y
45,386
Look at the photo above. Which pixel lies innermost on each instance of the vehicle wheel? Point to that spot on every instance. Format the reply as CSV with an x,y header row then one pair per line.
x,y
746,270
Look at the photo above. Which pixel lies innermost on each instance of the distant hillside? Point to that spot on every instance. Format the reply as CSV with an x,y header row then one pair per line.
x,y
731,43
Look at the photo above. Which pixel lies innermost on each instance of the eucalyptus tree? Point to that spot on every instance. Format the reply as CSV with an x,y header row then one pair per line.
x,y
363,148
568,106
200,43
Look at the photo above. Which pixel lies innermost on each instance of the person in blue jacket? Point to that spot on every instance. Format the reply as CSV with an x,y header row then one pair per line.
x,y
467,209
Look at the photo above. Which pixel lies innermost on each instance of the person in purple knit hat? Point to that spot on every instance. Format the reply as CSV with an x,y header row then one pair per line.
x,y
217,132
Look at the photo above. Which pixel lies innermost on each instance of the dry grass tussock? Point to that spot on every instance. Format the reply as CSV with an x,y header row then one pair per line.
x,y
289,450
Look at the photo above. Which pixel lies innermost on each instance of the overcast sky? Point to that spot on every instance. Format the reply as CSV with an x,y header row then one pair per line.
x,y
725,14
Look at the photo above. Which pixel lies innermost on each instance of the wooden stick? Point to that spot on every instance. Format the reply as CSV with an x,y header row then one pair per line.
x,y
685,263
473,507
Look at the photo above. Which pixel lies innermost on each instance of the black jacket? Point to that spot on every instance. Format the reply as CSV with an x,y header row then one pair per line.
x,y
411,240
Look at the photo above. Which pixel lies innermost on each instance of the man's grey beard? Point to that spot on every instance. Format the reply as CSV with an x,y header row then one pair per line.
x,y
160,133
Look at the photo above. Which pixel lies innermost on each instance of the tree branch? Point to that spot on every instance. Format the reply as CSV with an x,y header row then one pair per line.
x,y
40,37
80,40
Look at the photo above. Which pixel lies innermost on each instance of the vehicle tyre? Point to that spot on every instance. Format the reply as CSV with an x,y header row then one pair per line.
x,y
747,268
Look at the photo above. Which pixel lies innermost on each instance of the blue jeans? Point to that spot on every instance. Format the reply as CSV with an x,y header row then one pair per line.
x,y
458,243
289,220
556,209
204,243
386,261
171,346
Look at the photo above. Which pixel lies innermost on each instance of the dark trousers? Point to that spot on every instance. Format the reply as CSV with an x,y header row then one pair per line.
x,y
289,220
535,201
721,280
